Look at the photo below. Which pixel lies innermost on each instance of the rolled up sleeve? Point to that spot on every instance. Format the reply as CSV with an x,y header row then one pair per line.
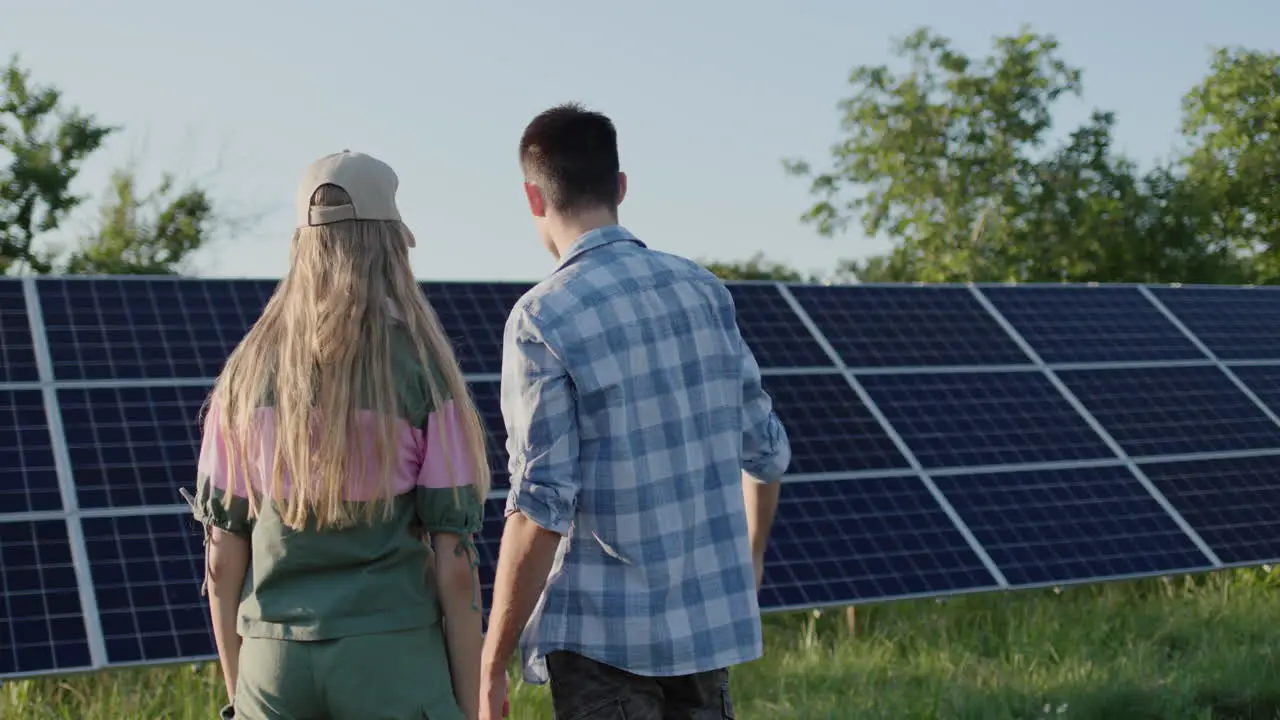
x,y
766,451
540,414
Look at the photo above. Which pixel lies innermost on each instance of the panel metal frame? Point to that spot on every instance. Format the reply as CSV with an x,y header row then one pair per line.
x,y
1213,357
72,514
1102,433
892,432
66,481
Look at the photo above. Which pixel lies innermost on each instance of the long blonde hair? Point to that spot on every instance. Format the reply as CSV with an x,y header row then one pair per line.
x,y
322,353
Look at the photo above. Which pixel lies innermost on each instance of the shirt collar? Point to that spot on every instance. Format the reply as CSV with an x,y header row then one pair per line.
x,y
593,239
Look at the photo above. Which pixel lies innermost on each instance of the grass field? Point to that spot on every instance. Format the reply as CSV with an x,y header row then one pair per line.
x,y
1177,649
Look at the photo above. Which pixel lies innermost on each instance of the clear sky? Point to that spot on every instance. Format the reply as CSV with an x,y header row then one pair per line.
x,y
708,97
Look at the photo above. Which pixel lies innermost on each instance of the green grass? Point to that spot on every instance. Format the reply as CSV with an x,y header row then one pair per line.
x,y
1180,649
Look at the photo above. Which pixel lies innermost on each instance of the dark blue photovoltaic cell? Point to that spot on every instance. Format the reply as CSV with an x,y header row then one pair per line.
x,y
1079,324
1264,381
1234,323
17,358
835,542
829,427
860,540
41,626
487,543
28,478
773,331
1233,503
485,394
147,571
964,419
1172,410
473,316
908,326
133,445
125,329
1059,526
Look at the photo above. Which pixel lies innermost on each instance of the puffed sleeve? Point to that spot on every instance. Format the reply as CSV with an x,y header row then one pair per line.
x,y
211,505
446,498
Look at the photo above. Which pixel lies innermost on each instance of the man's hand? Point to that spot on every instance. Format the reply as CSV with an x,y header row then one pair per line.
x,y
494,702
525,558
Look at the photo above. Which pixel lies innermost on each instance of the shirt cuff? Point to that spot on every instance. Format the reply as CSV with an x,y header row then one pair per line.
x,y
769,470
542,505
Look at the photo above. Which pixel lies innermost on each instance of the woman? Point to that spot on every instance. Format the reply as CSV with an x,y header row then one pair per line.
x,y
339,432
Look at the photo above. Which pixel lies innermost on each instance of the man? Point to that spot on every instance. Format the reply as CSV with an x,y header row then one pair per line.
x,y
644,459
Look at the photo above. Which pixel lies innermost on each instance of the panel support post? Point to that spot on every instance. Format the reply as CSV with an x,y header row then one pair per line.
x,y
66,480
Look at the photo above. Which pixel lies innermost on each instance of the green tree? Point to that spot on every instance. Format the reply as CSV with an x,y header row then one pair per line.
x,y
950,158
1231,121
934,156
889,268
43,146
144,235
755,267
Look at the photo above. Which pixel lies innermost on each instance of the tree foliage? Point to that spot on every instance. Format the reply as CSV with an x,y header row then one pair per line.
x,y
152,234
46,146
43,146
952,158
755,267
1232,122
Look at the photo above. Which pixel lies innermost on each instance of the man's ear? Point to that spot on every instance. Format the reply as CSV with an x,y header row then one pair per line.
x,y
537,204
622,186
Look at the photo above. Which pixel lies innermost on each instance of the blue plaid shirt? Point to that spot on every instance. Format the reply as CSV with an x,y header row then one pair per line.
x,y
632,408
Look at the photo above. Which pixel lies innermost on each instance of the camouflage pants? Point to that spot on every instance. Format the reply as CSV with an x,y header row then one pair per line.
x,y
583,689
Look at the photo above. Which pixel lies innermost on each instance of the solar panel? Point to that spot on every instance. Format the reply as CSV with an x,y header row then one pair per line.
x,y
1173,410
132,446
829,427
17,352
956,465
866,539
147,571
769,327
1233,503
1091,324
41,625
487,544
473,316
984,419
1264,381
1057,526
1234,323
905,326
134,328
485,394
28,477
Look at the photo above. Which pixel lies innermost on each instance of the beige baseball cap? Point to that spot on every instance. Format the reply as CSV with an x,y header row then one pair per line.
x,y
371,183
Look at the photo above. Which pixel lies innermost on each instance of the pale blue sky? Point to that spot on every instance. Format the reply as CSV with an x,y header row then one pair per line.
x,y
707,97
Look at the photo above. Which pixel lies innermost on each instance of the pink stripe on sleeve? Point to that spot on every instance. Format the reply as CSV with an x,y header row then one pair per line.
x,y
435,473
215,456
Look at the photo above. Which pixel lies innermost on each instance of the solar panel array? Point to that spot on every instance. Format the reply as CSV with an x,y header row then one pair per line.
x,y
946,440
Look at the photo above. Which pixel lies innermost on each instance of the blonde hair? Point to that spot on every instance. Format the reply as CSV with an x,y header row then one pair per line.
x,y
322,353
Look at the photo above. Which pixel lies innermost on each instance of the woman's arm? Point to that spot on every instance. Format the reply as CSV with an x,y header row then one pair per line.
x,y
459,587
226,565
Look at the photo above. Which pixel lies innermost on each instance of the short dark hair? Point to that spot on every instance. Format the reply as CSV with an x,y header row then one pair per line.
x,y
571,153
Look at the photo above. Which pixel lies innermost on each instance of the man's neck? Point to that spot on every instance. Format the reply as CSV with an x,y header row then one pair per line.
x,y
569,229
